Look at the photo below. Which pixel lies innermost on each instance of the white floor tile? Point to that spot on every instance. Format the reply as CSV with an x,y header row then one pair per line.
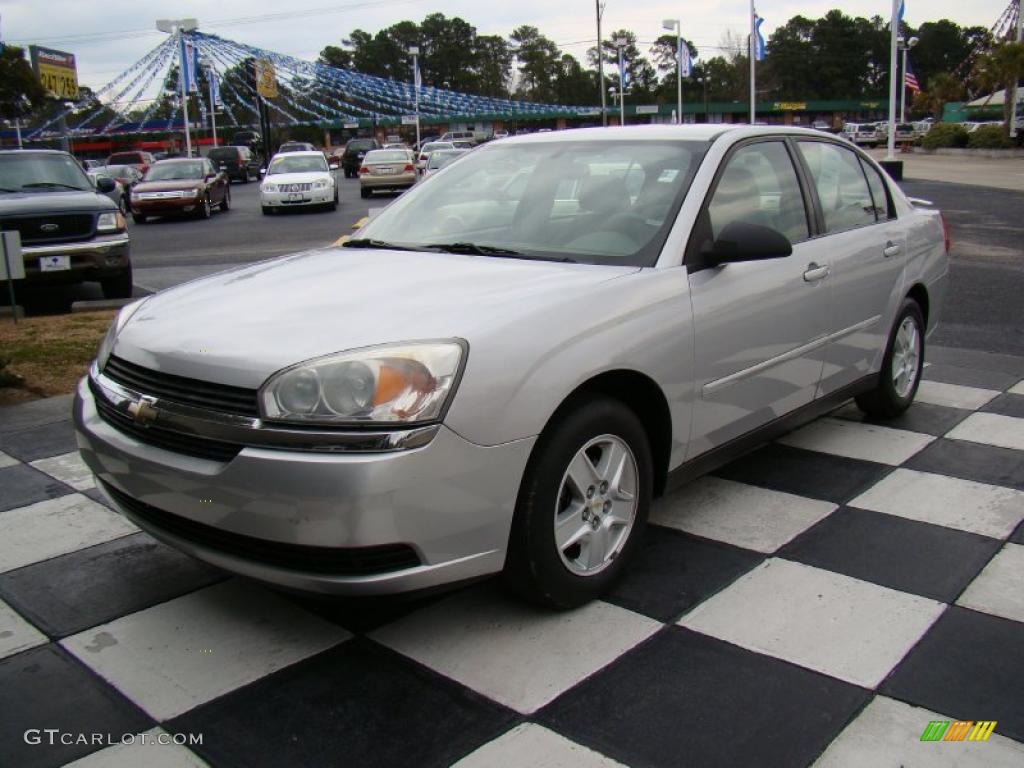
x,y
856,440
177,655
512,652
739,514
533,746
888,733
953,395
7,461
68,468
1017,389
843,627
992,429
962,504
999,589
147,749
16,634
55,527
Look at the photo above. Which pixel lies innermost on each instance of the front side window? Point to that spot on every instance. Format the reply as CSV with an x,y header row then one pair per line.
x,y
842,189
759,186
878,191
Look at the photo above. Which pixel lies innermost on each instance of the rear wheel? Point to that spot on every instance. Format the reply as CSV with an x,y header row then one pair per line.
x,y
139,218
119,286
582,505
248,175
364,193
901,366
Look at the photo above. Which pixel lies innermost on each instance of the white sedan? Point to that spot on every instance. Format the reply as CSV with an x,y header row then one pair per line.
x,y
298,179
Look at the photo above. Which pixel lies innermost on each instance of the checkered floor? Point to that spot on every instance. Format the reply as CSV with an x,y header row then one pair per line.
x,y
818,601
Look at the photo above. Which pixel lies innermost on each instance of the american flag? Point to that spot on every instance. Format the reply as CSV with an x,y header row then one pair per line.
x,y
910,79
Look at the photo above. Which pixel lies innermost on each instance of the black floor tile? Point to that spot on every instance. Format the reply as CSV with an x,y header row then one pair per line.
x,y
673,572
40,442
73,592
362,615
1018,535
971,358
925,418
971,461
356,705
969,377
14,418
97,495
926,560
805,473
1007,405
969,666
683,698
46,688
22,485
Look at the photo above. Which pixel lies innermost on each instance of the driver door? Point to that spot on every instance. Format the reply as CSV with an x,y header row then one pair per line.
x,y
760,327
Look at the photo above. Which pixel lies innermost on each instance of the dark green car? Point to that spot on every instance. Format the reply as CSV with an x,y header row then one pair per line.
x,y
70,231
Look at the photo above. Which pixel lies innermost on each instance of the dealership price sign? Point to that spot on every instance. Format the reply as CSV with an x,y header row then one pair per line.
x,y
56,70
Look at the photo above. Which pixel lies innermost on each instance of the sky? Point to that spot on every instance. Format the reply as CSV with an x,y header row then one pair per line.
x,y
108,42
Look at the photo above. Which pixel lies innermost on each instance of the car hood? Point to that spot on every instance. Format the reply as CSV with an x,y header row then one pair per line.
x,y
297,178
240,326
167,186
35,203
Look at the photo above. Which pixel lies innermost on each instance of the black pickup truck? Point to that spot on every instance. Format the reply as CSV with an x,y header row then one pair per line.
x,y
70,231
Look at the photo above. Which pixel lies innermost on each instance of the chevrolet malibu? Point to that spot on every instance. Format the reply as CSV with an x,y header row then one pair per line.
x,y
501,370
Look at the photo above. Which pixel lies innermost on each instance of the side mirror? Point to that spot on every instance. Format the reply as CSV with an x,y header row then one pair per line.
x,y
742,241
263,171
105,184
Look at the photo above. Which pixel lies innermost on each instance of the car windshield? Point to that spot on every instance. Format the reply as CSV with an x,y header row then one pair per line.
x,y
600,202
297,164
443,157
175,171
386,156
32,172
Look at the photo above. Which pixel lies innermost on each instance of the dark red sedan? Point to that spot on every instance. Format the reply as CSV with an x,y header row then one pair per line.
x,y
182,186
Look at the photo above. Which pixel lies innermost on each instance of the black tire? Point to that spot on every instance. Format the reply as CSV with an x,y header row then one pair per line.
x,y
119,286
205,210
884,402
139,218
534,567
364,193
334,203
124,204
225,204
267,210
248,176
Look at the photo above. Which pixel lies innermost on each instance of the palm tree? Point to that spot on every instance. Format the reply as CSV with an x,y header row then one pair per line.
x,y
942,87
1002,67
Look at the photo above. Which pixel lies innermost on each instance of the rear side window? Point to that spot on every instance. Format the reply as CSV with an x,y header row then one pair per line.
x,y
879,196
759,186
843,192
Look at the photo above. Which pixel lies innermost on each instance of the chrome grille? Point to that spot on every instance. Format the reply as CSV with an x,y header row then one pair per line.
x,y
183,390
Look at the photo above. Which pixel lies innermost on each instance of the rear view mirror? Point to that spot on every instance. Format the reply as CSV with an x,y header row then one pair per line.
x,y
105,184
742,241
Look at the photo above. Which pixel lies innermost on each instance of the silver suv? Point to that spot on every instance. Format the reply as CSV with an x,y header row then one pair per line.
x,y
502,369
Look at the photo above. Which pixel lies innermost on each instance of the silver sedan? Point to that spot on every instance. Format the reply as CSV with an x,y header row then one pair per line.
x,y
500,371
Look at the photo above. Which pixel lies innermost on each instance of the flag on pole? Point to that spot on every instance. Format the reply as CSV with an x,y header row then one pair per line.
x,y
910,79
900,11
759,45
215,88
624,74
685,59
189,58
416,74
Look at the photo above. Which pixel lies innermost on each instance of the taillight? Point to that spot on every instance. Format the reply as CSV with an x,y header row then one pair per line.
x,y
409,168
364,169
945,232
423,158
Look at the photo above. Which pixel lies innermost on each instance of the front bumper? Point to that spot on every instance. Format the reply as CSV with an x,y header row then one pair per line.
x,y
451,501
167,206
96,259
293,199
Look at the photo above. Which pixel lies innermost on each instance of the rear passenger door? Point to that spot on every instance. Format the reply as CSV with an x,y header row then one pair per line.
x,y
866,245
760,327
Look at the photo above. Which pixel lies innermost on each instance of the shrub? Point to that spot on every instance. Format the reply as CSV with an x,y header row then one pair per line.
x,y
990,137
943,135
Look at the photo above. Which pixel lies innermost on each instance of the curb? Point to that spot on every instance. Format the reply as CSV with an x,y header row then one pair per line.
x,y
361,223
98,305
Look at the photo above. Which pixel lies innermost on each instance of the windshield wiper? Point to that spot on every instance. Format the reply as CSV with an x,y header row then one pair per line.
x,y
369,242
5,189
50,184
478,249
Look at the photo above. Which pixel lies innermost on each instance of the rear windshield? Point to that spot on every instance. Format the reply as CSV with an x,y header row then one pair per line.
x,y
125,158
387,156
361,144
224,153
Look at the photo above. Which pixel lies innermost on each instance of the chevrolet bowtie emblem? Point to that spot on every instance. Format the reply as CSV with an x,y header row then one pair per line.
x,y
143,411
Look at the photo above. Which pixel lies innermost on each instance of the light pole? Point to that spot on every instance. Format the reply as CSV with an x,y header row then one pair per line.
x,y
415,51
600,65
670,24
894,25
1013,103
703,80
620,44
905,46
178,26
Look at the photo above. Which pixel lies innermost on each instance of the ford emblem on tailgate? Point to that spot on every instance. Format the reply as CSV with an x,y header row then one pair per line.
x,y
49,227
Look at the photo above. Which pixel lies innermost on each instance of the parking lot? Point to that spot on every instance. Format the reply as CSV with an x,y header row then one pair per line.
x,y
819,601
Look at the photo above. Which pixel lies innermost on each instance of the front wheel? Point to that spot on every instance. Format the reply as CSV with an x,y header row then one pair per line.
x,y
205,210
901,366
119,286
582,505
225,204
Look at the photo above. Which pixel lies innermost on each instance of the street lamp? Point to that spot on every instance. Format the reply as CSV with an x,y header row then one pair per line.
x,y
905,45
670,24
703,80
620,44
415,51
172,27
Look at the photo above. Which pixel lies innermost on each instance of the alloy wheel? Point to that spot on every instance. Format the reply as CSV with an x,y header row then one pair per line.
x,y
906,357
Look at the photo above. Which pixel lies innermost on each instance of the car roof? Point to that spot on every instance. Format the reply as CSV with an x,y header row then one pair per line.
x,y
695,132
306,153
32,152
169,160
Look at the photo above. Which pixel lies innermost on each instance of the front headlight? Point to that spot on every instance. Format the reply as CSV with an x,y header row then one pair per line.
x,y
107,344
270,187
390,384
322,184
110,222
194,192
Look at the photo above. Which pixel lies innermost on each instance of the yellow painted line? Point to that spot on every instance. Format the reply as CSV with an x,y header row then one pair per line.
x,y
344,238
361,222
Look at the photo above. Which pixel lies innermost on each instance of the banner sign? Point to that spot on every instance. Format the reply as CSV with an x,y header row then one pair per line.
x,y
266,80
56,70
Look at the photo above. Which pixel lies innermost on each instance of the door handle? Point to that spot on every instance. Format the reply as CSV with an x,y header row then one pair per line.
x,y
815,272
891,249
